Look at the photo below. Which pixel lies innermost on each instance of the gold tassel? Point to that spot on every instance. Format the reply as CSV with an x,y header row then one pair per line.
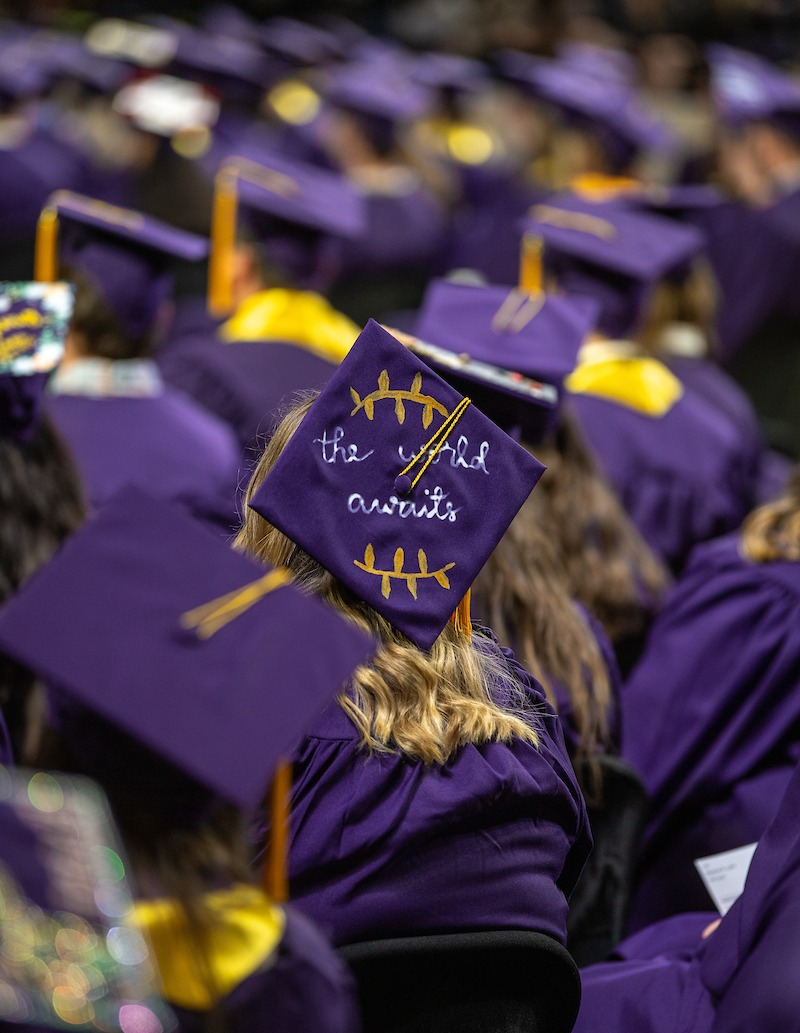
x,y
530,264
461,618
274,876
223,242
45,268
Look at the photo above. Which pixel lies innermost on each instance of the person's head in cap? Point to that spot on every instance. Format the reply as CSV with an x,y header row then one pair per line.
x,y
279,222
588,540
618,256
522,592
41,501
372,102
385,495
759,104
177,675
120,261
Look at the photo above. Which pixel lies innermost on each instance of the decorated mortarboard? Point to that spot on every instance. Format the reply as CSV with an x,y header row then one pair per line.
x,y
71,955
34,319
166,105
290,205
151,623
537,335
397,485
747,88
125,255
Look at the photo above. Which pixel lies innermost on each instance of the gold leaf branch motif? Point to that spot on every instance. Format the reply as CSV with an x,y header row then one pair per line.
x,y
428,402
398,574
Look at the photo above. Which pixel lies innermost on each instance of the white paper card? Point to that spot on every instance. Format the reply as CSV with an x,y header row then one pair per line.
x,y
724,875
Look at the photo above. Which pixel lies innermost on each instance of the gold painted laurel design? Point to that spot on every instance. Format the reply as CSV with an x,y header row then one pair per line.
x,y
397,573
428,403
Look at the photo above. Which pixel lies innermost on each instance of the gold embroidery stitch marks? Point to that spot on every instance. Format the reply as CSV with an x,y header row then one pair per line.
x,y
397,573
428,403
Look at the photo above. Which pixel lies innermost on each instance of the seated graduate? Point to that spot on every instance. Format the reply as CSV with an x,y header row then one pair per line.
x,y
608,567
41,501
281,334
437,795
637,417
371,103
736,978
724,653
123,425
179,711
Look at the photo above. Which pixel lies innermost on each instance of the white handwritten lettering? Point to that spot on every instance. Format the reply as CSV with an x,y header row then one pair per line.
x,y
458,456
435,506
333,450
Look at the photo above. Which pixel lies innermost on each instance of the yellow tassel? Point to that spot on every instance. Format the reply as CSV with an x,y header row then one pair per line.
x,y
46,256
530,264
223,242
274,876
461,618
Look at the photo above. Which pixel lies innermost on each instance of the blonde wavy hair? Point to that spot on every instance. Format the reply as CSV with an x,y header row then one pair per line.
x,y
772,532
425,705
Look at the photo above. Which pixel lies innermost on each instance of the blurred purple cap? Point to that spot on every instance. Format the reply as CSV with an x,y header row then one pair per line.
x,y
125,254
449,72
610,253
380,87
606,64
147,621
538,336
353,490
34,319
748,88
298,211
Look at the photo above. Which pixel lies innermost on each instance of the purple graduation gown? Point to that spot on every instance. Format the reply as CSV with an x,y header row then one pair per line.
x,y
165,444
742,979
681,477
244,383
306,989
710,717
387,846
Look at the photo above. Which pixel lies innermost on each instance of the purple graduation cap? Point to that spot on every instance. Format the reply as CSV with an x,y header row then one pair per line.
x,y
450,72
126,255
34,319
610,252
299,212
533,337
611,111
379,88
397,485
747,88
147,624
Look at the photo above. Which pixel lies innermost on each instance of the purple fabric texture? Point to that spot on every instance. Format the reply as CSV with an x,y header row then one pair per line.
x,y
246,384
673,502
738,980
383,845
166,445
537,336
223,704
724,655
306,987
343,488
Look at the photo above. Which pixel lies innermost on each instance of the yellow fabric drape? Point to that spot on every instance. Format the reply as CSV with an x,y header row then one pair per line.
x,y
301,317
245,931
640,383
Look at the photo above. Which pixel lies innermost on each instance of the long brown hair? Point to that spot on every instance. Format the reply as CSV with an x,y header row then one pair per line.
x,y
424,704
522,593
772,532
609,567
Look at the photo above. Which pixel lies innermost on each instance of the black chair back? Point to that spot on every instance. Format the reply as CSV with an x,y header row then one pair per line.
x,y
504,981
599,903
